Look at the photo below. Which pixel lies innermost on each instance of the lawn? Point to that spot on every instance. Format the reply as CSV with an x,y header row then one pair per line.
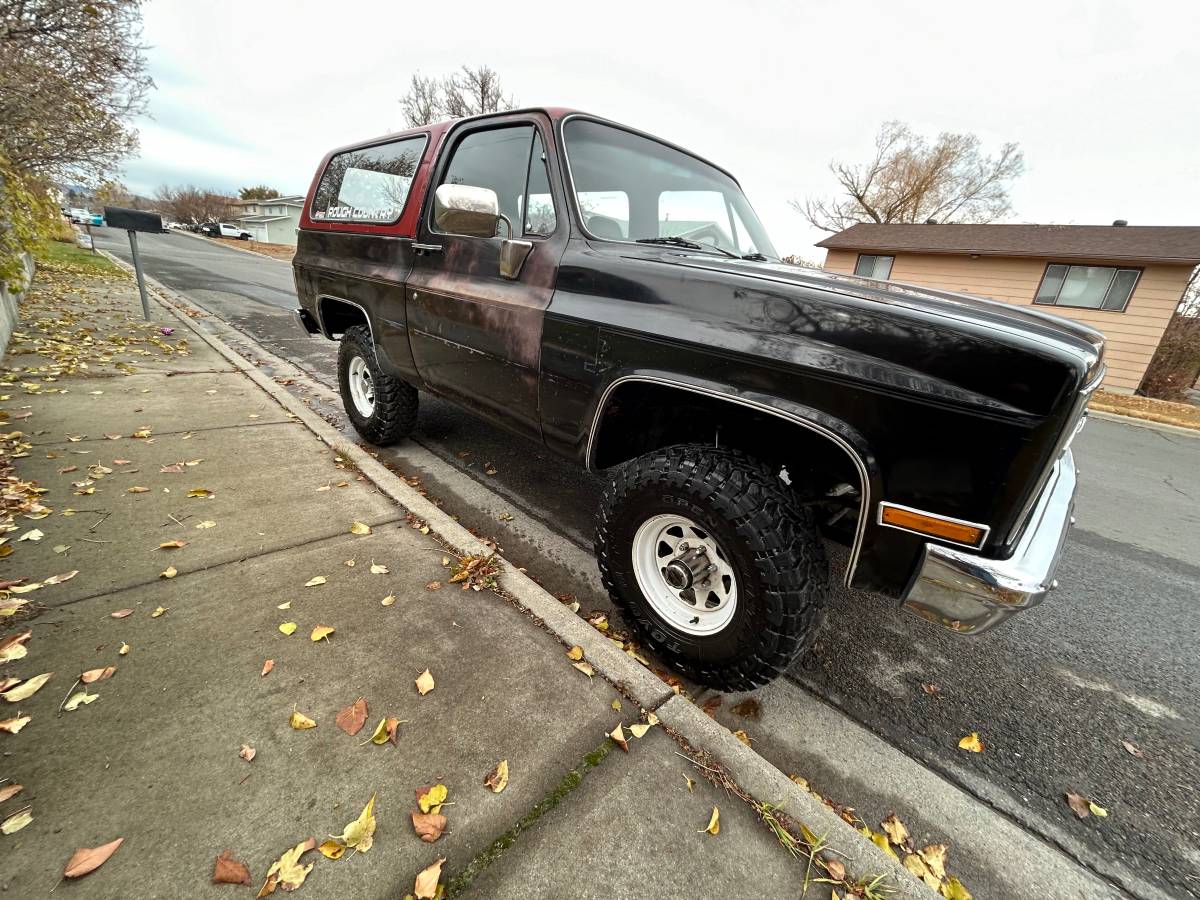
x,y
61,255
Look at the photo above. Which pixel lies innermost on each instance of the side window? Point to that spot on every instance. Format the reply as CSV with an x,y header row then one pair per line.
x,y
539,213
497,159
605,213
874,266
370,184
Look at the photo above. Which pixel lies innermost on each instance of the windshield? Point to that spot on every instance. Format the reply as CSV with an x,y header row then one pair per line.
x,y
632,188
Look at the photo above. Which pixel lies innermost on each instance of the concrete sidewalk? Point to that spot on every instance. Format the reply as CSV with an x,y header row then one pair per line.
x,y
140,439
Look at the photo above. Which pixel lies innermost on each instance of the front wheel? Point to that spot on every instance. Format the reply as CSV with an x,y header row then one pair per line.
x,y
381,408
712,560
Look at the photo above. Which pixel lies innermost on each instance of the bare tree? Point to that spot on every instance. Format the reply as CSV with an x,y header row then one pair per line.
x,y
910,180
192,205
468,92
72,76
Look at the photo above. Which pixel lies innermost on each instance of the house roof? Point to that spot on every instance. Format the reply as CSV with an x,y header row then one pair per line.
x,y
291,200
1149,243
259,219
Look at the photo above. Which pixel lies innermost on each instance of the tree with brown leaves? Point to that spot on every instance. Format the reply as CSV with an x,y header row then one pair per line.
x,y
909,179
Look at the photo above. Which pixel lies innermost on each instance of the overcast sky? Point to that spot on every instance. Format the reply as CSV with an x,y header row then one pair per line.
x,y
1102,96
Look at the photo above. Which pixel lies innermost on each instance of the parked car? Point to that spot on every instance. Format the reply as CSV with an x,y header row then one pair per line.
x,y
79,216
224,229
615,299
95,219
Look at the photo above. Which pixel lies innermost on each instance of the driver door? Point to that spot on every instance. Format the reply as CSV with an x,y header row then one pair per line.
x,y
475,324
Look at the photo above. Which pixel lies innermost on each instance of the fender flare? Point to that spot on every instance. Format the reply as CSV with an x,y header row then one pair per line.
x,y
835,430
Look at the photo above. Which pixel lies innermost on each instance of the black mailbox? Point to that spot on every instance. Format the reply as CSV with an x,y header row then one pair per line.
x,y
132,219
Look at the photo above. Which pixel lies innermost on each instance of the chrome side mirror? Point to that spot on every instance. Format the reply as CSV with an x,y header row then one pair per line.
x,y
465,209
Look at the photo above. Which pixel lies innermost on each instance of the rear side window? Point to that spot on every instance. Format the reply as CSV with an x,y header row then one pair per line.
x,y
370,184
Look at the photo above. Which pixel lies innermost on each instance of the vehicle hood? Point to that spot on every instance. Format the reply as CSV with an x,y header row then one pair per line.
x,y
1069,336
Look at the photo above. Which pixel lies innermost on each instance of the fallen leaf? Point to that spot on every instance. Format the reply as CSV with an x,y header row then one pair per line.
x,y
59,579
360,528
228,870
895,830
353,717
13,725
168,572
313,582
124,649
285,605
881,841
360,834
425,683
137,489
618,735
388,600
247,753
489,469
88,859
332,849
300,721
954,890
288,628
639,729
203,493
349,564
322,631
691,784
121,613
497,779
158,611
616,704
710,706
16,821
9,791
377,569
585,668
972,743
267,667
1133,750
433,586
33,534
743,737
172,545
575,653
426,885
428,826
122,462
930,688
206,524
93,675
26,689
714,823
286,872
934,856
386,731
749,708
194,462
13,646
432,799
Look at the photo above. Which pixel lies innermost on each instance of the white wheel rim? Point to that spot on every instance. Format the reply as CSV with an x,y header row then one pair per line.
x,y
362,387
708,603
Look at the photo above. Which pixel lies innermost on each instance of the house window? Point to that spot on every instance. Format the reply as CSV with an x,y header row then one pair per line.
x,y
1087,287
874,266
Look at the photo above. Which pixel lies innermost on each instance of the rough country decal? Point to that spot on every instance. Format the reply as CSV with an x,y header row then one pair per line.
x,y
384,214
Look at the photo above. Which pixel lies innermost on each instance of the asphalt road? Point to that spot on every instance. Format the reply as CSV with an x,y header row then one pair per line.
x,y
1112,656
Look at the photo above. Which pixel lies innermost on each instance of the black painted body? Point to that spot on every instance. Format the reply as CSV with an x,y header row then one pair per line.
x,y
951,404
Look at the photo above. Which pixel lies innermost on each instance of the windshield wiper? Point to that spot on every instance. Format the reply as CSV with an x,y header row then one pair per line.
x,y
756,257
690,245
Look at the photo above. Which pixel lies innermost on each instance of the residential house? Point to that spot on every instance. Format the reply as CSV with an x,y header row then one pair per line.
x,y
1125,281
270,221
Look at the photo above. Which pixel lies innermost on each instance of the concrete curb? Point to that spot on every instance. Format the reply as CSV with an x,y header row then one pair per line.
x,y
1143,423
754,774
208,240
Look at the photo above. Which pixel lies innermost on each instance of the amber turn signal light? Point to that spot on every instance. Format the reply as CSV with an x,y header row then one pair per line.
x,y
932,525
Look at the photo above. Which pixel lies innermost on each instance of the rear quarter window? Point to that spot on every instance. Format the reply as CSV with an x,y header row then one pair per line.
x,y
368,184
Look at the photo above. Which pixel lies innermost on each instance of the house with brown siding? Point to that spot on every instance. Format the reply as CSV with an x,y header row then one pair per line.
x,y
1125,281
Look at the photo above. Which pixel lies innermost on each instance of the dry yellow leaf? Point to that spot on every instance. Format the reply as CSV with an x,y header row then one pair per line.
x,y
585,668
313,582
388,600
288,627
934,857
286,872
497,779
78,699
26,689
714,823
200,492
895,830
16,821
691,784
360,834
639,729
377,569
124,649
13,725
575,653
300,721
432,799
424,685
287,604
360,528
954,890
322,631
618,735
172,545
1098,810
880,840
137,489
971,743
742,736
93,675
426,885
616,704
333,849
158,611
206,524
168,572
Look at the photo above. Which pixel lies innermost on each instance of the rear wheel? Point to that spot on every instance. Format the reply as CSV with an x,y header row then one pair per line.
x,y
383,409
709,556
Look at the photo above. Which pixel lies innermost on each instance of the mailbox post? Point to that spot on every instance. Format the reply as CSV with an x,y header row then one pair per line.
x,y
133,221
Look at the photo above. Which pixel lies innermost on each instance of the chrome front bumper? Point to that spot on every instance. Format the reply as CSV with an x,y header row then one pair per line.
x,y
970,594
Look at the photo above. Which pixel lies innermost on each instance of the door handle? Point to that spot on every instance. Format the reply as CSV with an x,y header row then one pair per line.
x,y
427,248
